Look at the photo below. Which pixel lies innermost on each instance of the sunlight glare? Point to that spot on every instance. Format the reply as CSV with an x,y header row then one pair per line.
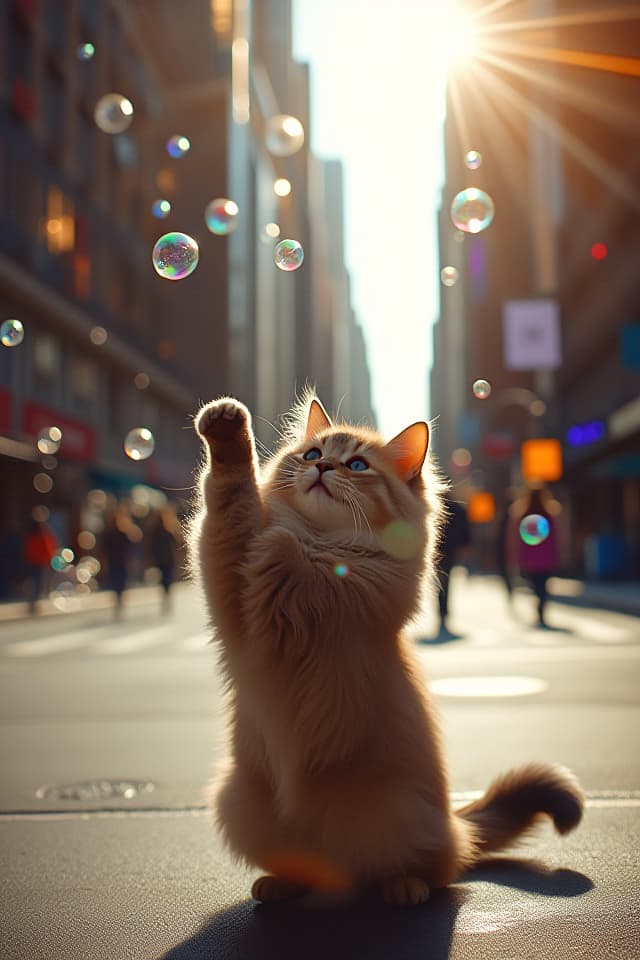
x,y
454,40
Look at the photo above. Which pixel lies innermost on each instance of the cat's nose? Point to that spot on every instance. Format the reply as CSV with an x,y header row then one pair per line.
x,y
323,465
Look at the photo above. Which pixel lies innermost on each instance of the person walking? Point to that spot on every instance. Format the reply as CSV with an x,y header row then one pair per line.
x,y
116,552
40,547
454,540
163,545
536,561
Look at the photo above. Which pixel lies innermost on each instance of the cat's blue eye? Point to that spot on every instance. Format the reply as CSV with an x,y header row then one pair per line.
x,y
313,454
357,464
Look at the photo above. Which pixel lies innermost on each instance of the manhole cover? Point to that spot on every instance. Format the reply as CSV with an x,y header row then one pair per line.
x,y
96,790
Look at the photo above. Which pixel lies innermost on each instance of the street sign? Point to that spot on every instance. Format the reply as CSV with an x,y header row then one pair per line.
x,y
541,460
531,333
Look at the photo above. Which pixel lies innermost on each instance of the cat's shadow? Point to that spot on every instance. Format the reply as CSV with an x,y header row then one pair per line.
x,y
365,927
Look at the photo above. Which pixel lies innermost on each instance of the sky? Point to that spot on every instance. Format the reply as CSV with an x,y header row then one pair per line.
x,y
377,103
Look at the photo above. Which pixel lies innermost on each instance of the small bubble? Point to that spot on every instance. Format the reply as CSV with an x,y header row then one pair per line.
x,y
284,135
288,255
67,554
473,160
175,256
341,569
139,443
534,529
449,276
481,389
177,146
400,540
86,540
161,209
472,210
142,381
85,51
113,113
11,333
272,230
282,187
221,216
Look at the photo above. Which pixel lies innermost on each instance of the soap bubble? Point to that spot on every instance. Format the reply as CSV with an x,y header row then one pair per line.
x,y
288,255
220,216
472,210
400,540
11,333
175,256
49,439
85,51
177,146
113,113
43,483
448,275
473,160
534,529
161,209
481,389
341,569
139,443
98,336
284,135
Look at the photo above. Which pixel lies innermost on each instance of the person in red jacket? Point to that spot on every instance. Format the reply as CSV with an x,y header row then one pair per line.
x,y
40,547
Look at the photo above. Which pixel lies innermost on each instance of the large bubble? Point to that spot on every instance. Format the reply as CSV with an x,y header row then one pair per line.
x,y
113,113
221,216
175,256
284,135
472,210
288,255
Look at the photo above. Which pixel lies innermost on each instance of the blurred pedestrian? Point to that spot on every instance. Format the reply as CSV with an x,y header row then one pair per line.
x,y
454,543
163,548
40,547
502,559
536,561
118,537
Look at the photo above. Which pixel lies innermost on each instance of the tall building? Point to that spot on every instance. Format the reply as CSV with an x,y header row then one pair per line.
x,y
109,344
548,102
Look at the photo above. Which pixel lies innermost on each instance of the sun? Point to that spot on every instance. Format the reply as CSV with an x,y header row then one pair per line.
x,y
454,38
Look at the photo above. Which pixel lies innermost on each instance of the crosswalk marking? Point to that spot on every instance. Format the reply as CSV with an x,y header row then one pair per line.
x,y
45,645
130,643
95,643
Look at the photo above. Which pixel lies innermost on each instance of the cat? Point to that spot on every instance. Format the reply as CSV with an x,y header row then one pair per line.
x,y
310,568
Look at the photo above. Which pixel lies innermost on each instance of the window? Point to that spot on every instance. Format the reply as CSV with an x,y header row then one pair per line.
x,y
84,379
58,226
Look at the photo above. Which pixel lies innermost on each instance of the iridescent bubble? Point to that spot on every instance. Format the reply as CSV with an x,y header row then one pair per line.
x,y
11,333
221,216
400,540
284,135
288,255
473,160
449,276
113,113
160,209
49,439
177,146
341,569
481,389
139,443
175,256
472,210
85,51
58,562
534,529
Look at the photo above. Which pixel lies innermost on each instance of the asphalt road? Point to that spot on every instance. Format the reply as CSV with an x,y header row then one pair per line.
x,y
108,732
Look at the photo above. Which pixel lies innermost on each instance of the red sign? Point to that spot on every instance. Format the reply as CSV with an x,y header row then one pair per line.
x,y
78,439
499,446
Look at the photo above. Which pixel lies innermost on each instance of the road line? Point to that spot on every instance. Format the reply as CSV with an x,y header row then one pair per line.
x,y
434,654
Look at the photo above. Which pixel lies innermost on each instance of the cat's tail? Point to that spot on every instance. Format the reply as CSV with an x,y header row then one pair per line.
x,y
515,802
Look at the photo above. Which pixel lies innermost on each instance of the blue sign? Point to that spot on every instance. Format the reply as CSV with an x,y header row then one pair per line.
x,y
583,433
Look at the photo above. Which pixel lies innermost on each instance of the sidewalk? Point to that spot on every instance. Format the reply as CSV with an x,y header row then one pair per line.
x,y
137,596
619,596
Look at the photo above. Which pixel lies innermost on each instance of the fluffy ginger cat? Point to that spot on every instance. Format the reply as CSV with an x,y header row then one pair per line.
x,y
336,778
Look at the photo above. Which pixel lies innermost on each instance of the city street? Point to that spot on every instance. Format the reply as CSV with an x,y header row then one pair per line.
x,y
109,730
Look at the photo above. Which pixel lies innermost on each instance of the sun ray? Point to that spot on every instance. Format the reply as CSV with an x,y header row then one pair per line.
x,y
612,15
583,154
601,107
607,62
462,128
490,8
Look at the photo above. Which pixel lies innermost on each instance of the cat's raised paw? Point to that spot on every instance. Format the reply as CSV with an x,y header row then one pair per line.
x,y
222,419
405,891
271,889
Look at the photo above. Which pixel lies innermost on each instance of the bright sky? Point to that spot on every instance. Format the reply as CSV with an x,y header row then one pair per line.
x,y
377,103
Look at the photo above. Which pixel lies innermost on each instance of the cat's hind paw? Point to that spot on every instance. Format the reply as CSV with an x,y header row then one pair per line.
x,y
405,891
271,889
224,419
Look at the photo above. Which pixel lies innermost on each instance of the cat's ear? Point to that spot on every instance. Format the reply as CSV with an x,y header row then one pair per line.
x,y
317,420
409,449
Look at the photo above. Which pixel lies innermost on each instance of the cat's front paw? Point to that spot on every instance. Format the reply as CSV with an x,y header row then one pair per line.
x,y
224,419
